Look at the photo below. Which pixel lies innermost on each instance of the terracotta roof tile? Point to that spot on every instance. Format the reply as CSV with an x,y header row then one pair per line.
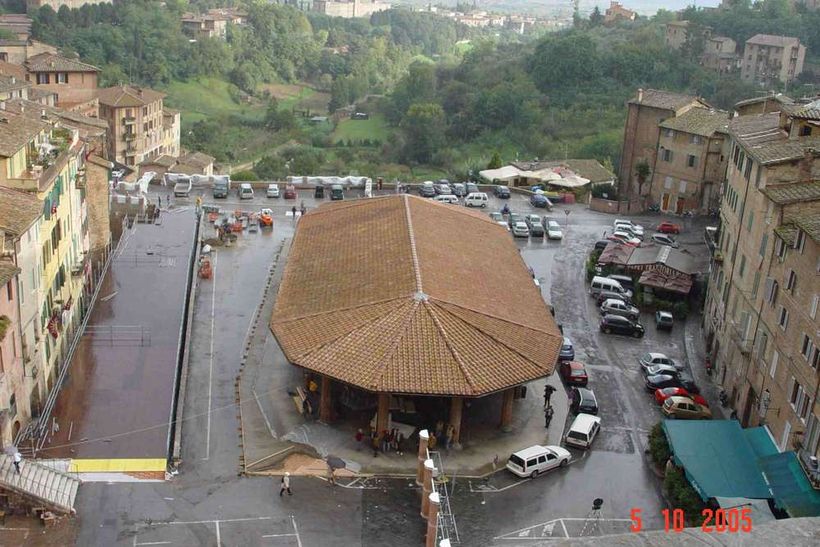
x,y
699,121
51,62
666,100
792,193
374,296
7,271
18,211
126,95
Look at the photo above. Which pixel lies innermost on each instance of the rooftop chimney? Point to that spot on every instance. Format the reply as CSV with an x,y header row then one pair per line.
x,y
640,94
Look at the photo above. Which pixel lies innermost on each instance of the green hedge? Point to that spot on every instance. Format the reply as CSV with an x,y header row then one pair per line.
x,y
658,445
683,496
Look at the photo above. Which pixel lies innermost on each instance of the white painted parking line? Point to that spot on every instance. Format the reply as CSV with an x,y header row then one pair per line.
x,y
154,543
155,527
211,364
218,537
296,529
545,530
278,535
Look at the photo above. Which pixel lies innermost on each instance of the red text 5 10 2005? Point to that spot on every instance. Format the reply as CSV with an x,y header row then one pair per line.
x,y
732,520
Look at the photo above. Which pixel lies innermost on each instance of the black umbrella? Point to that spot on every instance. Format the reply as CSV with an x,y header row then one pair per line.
x,y
334,462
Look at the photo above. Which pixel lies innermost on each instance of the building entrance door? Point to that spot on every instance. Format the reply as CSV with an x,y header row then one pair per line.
x,y
665,202
679,206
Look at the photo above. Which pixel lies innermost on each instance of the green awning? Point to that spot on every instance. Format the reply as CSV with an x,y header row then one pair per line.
x,y
719,457
791,488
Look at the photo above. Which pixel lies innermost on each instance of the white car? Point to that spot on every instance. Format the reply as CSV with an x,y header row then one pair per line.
x,y
504,224
520,229
637,228
654,358
630,230
537,459
625,237
554,230
272,191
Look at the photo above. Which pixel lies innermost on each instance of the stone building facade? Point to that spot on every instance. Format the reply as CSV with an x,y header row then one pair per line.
x,y
760,315
768,59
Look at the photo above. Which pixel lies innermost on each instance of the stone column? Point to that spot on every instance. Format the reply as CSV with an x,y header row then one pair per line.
x,y
325,402
424,437
456,406
506,409
383,413
427,487
432,520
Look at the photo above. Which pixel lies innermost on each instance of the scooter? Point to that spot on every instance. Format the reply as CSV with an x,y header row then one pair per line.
x,y
708,366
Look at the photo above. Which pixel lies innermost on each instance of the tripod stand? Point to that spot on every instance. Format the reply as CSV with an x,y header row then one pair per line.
x,y
593,520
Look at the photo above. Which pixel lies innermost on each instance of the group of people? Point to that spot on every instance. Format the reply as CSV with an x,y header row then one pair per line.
x,y
442,436
383,442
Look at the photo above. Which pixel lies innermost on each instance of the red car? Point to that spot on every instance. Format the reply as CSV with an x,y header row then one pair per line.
x,y
668,228
663,394
574,373
290,192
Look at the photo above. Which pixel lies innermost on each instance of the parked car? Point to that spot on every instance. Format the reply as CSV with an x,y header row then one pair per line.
x,y
537,459
668,228
272,191
498,217
502,192
663,394
620,325
567,352
534,224
319,192
290,192
624,280
443,189
245,191
663,320
636,227
654,358
574,373
619,307
583,399
684,408
427,189
629,230
337,192
537,200
663,239
476,199
471,188
519,229
512,218
554,230
583,430
625,238
655,370
665,380
459,189
601,244
446,198
603,296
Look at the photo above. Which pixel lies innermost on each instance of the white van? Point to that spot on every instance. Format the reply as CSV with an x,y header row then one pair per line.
x,y
537,459
606,284
446,198
583,430
245,191
476,199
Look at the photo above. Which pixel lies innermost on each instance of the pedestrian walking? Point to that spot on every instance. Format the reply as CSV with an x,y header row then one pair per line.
x,y
394,440
359,438
445,440
303,209
17,459
547,416
332,478
293,211
448,438
385,441
400,444
374,443
548,391
285,486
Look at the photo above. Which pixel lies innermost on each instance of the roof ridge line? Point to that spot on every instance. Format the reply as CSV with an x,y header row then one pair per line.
x,y
402,332
493,337
436,299
413,250
337,310
456,357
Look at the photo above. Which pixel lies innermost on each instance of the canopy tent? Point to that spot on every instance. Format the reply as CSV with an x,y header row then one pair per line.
x,y
555,176
719,457
759,509
791,488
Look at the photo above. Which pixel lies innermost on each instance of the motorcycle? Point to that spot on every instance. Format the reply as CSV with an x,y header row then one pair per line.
x,y
708,366
654,208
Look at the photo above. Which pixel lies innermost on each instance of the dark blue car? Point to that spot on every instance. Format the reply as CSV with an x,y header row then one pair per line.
x,y
537,200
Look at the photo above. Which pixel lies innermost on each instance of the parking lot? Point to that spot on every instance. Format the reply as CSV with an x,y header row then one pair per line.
x,y
275,531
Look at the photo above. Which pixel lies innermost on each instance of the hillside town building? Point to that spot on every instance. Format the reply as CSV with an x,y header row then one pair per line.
x,y
760,315
349,8
768,59
616,12
73,82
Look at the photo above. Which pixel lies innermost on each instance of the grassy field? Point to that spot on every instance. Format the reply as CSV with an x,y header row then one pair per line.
x,y
375,128
207,98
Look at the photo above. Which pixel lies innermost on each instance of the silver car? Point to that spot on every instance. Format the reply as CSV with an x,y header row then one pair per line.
x,y
619,307
663,239
520,229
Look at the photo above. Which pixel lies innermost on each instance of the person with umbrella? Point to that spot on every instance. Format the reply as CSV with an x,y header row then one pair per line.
x,y
334,463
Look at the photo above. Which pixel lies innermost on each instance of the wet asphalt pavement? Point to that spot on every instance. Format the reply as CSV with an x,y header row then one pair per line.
x,y
208,504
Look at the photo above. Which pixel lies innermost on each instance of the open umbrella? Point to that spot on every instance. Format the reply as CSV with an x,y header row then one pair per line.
x,y
335,462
